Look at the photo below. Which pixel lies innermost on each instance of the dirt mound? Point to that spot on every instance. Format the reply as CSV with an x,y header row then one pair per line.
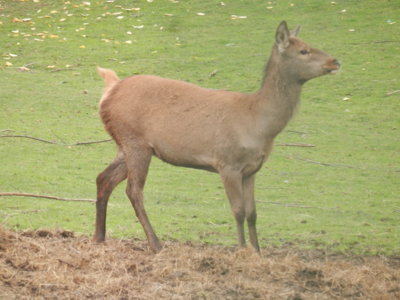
x,y
58,265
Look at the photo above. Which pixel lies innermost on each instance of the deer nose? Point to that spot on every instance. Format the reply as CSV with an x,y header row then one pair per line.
x,y
336,62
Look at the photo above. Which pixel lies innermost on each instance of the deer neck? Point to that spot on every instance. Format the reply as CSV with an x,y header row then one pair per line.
x,y
278,97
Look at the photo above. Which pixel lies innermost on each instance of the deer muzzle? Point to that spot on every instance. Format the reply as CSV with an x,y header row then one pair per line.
x,y
332,66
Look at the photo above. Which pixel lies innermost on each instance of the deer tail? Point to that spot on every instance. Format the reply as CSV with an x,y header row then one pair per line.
x,y
109,76
110,79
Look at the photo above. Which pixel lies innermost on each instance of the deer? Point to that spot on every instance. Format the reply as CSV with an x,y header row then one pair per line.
x,y
225,132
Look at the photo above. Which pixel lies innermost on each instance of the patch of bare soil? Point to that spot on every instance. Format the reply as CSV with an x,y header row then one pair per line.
x,y
46,264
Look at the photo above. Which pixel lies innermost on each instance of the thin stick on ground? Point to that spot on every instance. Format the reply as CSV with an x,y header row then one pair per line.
x,y
341,165
13,194
108,140
295,145
53,142
392,92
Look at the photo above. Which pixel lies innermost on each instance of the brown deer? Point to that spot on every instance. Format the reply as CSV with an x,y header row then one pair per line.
x,y
186,125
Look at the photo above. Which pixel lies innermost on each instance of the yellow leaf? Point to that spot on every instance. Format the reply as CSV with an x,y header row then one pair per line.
x,y
8,64
82,46
23,69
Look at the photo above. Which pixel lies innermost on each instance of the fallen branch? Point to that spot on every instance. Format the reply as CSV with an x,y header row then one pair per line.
x,y
29,137
392,92
342,165
53,142
108,140
291,204
326,164
45,197
295,145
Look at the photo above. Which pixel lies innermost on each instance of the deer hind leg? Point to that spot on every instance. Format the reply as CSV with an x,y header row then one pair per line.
x,y
138,162
106,182
250,208
234,191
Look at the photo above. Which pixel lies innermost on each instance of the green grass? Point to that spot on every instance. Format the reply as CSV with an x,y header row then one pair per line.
x,y
351,204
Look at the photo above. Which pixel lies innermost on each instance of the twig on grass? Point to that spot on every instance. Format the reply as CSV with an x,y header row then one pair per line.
x,y
29,137
91,142
392,92
342,165
108,140
326,164
53,142
45,197
295,145
290,204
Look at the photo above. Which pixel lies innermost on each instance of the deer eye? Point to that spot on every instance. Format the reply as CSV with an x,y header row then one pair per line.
x,y
304,52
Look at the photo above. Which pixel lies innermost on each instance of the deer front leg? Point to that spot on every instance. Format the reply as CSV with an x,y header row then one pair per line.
x,y
233,187
250,208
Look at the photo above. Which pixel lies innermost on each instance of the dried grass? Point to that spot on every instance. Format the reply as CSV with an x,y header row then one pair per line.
x,y
57,265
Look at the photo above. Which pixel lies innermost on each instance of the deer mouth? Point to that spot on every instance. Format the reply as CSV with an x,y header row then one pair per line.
x,y
332,71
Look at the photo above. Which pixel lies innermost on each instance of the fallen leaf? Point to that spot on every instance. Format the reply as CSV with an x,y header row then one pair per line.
x,y
201,14
213,73
235,17
8,64
23,69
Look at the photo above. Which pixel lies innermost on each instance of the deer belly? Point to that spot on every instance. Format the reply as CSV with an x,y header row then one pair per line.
x,y
184,156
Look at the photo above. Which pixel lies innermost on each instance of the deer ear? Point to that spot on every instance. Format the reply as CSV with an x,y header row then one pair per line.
x,y
295,32
282,36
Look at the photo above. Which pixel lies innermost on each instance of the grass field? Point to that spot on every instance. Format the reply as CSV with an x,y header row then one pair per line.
x,y
341,195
